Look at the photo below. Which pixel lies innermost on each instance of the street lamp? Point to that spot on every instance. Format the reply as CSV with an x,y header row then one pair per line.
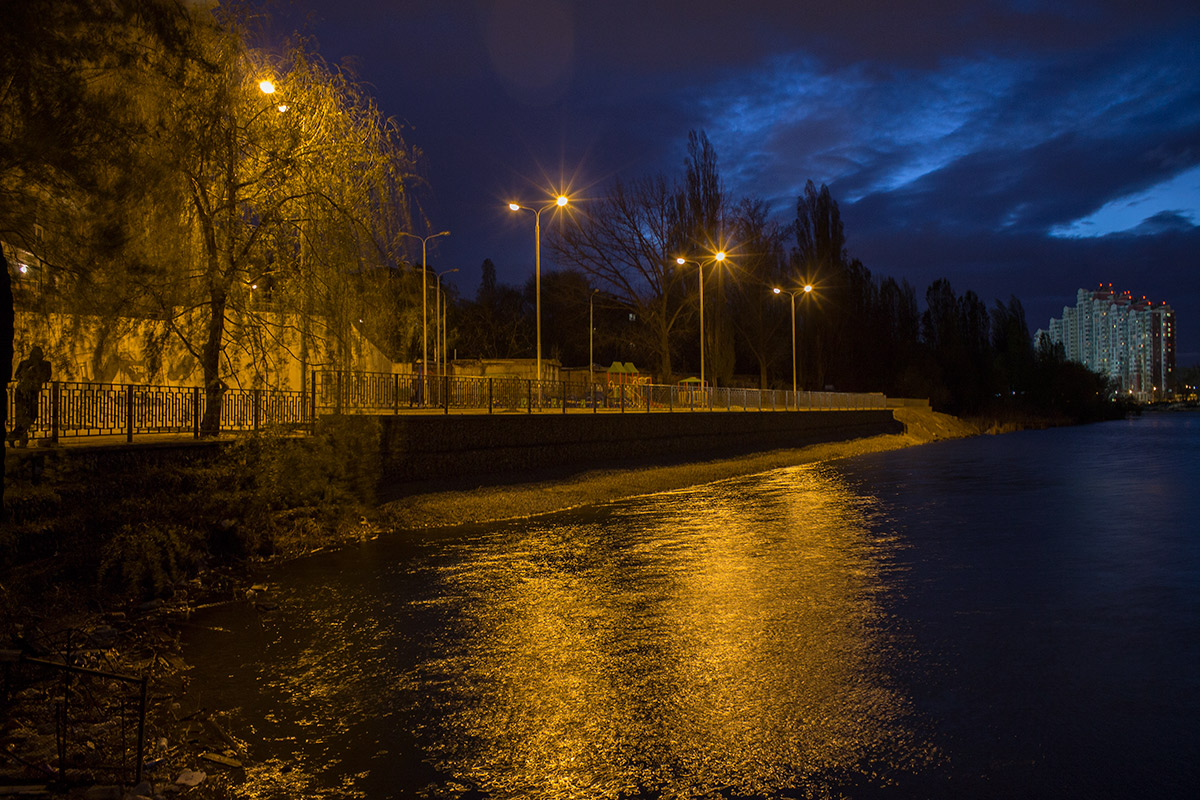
x,y
268,88
807,288
424,302
717,257
559,202
591,358
440,316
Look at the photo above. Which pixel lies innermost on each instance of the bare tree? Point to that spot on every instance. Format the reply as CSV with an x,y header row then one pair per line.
x,y
170,185
290,181
760,264
628,242
820,259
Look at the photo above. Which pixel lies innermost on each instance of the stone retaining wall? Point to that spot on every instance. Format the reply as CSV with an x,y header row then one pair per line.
x,y
423,449
428,447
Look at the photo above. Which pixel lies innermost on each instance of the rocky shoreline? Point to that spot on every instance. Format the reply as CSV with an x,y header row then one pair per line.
x,y
188,750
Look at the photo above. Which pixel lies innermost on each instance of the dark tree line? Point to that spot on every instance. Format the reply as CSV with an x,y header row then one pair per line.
x,y
855,331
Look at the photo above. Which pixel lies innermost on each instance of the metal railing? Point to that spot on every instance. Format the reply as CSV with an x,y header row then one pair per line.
x,y
376,393
99,715
75,409
68,409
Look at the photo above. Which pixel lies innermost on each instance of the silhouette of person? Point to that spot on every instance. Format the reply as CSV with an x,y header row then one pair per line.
x,y
32,373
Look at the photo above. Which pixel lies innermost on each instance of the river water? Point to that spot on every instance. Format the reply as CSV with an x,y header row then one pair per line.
x,y
997,617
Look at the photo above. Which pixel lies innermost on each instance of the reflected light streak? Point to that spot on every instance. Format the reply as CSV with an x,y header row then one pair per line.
x,y
726,637
707,650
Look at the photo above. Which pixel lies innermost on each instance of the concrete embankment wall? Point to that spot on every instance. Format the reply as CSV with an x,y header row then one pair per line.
x,y
419,450
416,449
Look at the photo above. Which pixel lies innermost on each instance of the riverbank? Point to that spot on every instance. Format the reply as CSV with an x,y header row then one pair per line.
x,y
190,744
921,619
543,494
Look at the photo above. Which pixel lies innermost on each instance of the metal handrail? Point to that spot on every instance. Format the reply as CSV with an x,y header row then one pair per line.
x,y
364,392
79,409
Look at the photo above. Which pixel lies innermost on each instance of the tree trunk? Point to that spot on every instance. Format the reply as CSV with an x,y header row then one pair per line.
x,y
664,354
214,387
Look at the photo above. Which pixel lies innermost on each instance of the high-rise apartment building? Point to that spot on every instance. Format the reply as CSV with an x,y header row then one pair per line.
x,y
1130,341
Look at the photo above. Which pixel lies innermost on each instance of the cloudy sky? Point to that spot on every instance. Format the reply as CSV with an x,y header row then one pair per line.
x,y
1015,147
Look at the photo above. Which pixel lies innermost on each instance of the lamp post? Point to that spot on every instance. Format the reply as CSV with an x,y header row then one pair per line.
x,y
559,202
268,88
717,257
807,288
424,302
440,316
591,358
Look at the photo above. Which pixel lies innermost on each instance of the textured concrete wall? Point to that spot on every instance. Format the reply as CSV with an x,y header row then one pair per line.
x,y
431,447
484,448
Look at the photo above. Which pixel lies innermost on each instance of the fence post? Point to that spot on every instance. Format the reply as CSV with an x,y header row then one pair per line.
x,y
141,734
395,394
55,394
313,377
195,412
338,406
490,395
257,395
446,392
129,412
529,395
649,396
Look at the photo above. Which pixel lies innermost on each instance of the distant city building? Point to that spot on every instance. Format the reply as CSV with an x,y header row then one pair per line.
x,y
1130,341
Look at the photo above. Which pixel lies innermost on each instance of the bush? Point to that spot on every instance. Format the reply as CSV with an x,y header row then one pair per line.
x,y
133,528
147,558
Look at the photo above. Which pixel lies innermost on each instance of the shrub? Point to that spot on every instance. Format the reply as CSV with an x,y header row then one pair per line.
x,y
146,558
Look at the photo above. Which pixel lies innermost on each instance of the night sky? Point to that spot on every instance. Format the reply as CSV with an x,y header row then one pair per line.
x,y
1020,147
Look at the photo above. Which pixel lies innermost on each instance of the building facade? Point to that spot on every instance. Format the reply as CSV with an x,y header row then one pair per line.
x,y
1132,342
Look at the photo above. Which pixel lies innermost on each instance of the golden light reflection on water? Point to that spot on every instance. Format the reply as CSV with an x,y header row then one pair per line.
x,y
704,640
725,640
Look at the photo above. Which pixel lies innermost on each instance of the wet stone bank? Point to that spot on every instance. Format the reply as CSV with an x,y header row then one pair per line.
x,y
484,448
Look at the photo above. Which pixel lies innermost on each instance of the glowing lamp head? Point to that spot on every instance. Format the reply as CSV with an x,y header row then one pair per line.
x,y
681,261
514,207
776,290
562,200
808,287
720,256
266,87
